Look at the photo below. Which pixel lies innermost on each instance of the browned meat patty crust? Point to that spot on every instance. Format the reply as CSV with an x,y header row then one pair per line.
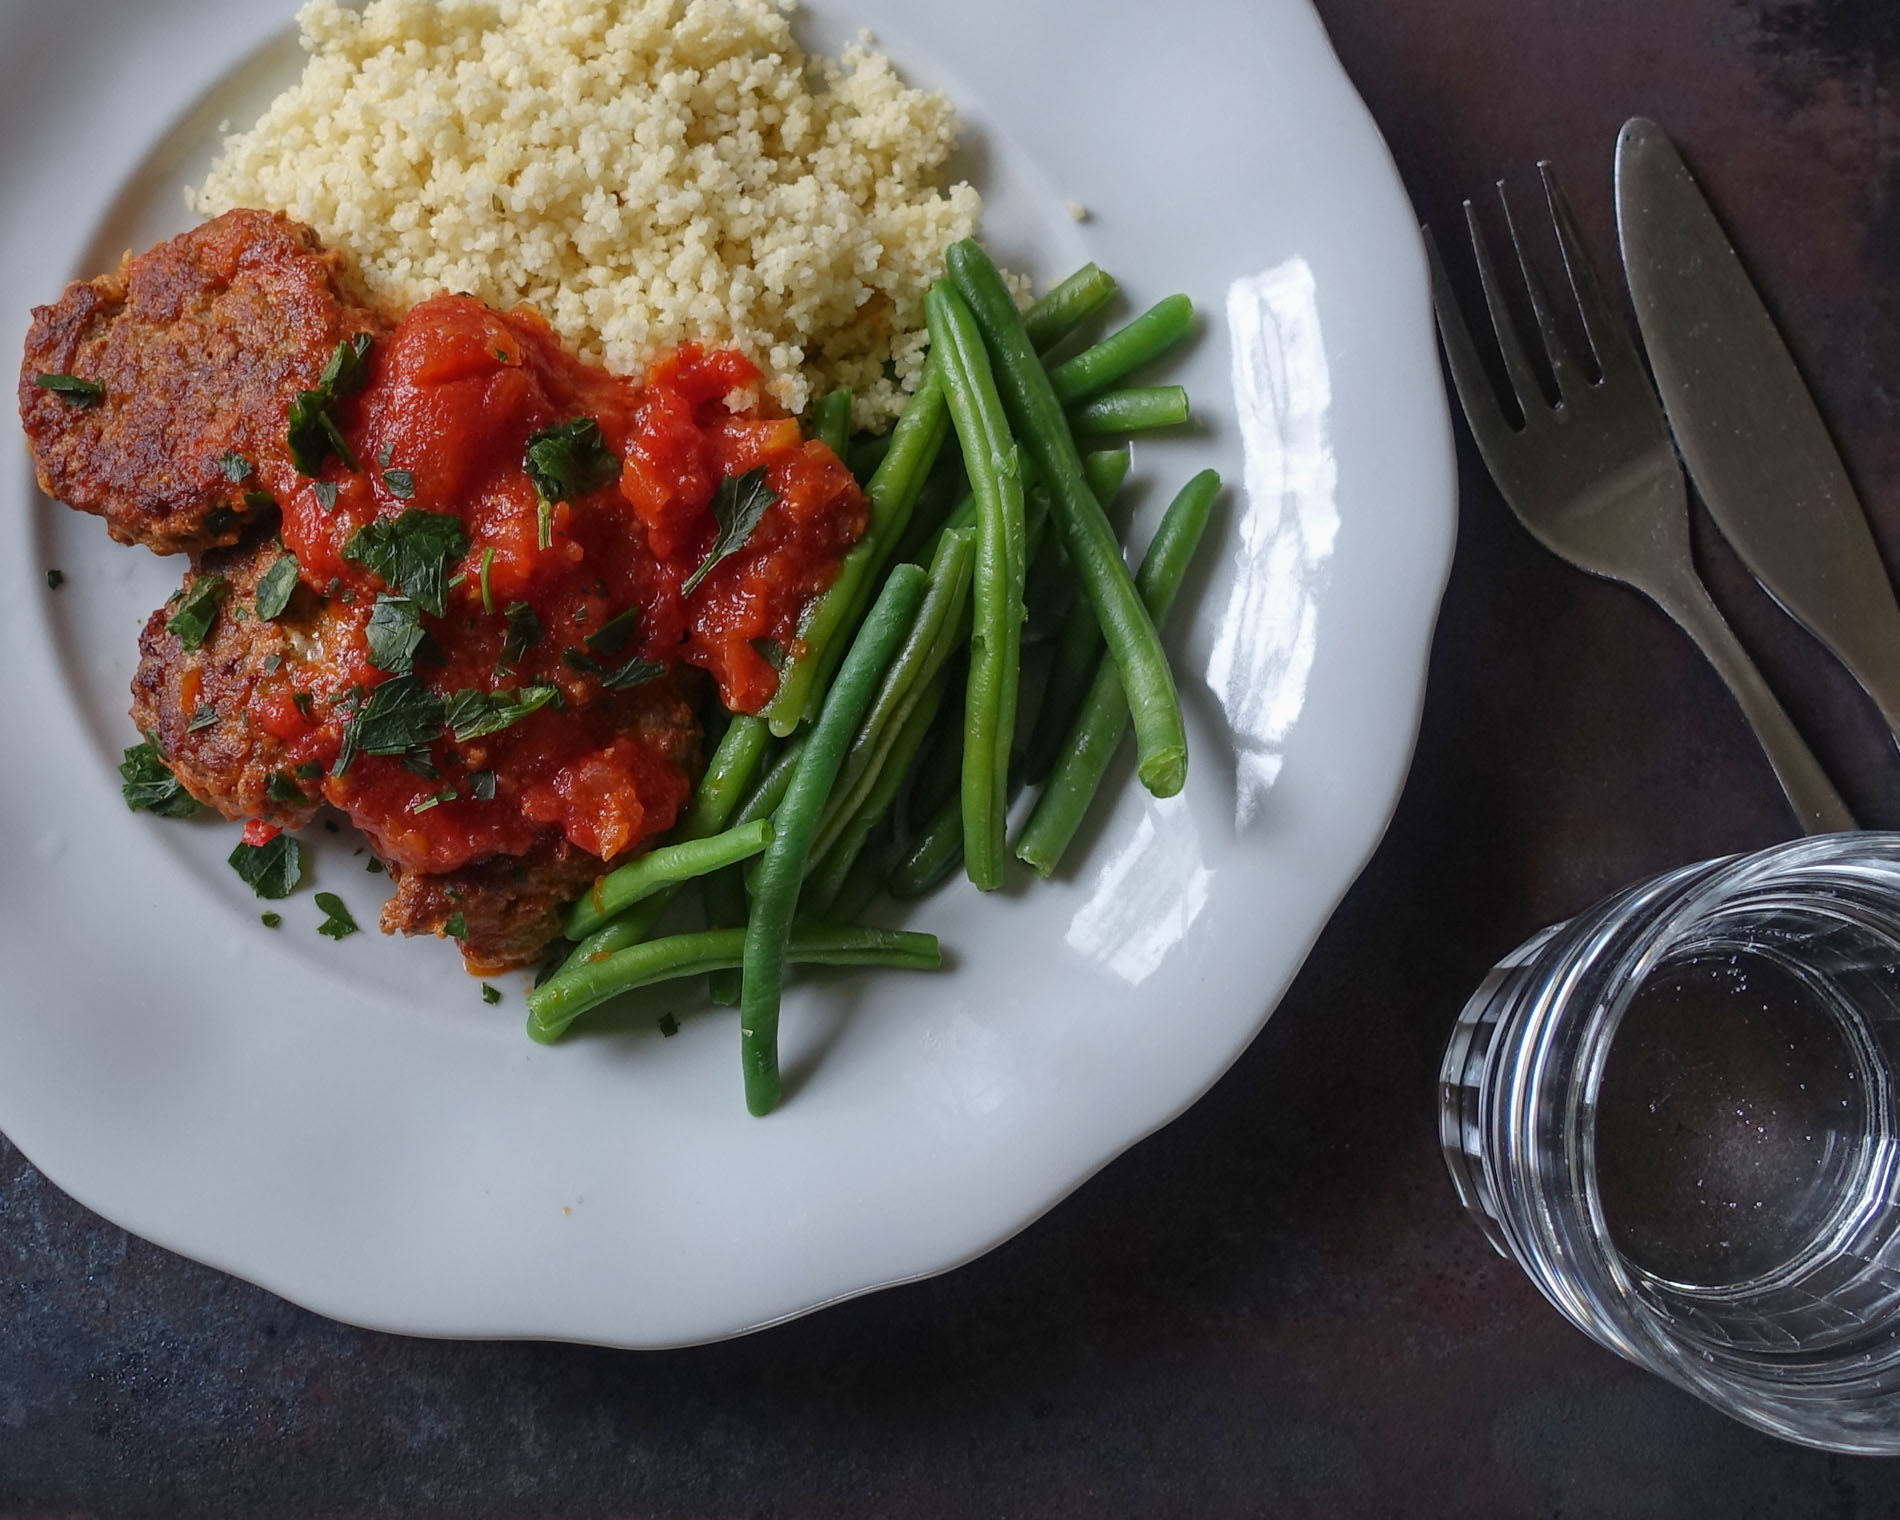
x,y
200,346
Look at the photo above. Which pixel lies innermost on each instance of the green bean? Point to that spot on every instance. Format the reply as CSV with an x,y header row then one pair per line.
x,y
990,457
1037,418
932,855
728,774
866,880
553,1008
1098,729
937,628
893,491
723,901
1068,305
831,420
1072,665
782,867
943,492
722,895
940,775
1135,410
1124,351
1049,592
820,896
661,869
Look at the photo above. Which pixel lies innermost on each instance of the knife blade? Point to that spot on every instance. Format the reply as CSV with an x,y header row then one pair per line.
x,y
1747,426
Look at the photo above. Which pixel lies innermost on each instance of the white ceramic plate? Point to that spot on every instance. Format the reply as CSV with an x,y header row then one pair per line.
x,y
350,1126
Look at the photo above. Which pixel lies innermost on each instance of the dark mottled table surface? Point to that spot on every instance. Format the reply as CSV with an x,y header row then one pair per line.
x,y
1273,1307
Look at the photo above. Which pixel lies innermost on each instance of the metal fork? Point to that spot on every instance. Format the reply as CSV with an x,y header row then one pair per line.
x,y
1595,477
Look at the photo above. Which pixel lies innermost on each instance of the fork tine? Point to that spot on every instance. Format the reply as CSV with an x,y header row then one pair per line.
x,y
1468,373
1517,364
1562,366
1610,341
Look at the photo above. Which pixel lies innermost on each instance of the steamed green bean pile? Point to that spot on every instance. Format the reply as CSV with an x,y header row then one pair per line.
x,y
984,634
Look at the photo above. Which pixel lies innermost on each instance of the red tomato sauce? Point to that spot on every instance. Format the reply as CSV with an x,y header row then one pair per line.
x,y
454,395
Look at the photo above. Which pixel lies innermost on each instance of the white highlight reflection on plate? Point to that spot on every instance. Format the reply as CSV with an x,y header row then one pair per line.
x,y
1146,898
1267,633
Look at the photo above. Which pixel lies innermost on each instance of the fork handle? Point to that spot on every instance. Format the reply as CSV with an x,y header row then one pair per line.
x,y
1812,795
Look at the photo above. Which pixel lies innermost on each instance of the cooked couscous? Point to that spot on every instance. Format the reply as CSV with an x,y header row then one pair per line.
x,y
642,172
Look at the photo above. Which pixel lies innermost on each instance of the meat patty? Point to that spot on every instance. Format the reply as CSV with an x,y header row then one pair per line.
x,y
198,705
512,907
200,346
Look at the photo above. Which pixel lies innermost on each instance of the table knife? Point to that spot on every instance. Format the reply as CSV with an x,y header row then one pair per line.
x,y
1748,429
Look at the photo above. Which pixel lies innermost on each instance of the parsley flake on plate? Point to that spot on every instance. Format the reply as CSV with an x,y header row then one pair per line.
x,y
272,870
55,579
337,922
270,920
149,786
490,995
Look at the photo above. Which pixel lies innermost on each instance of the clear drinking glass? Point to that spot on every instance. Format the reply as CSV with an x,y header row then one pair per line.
x,y
1677,1112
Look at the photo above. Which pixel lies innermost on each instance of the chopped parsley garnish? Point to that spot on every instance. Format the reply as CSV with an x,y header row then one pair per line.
x,y
55,579
481,785
273,663
570,460
373,866
202,719
326,493
275,588
198,610
669,1026
401,717
421,762
451,795
337,923
474,714
490,995
524,632
282,787
310,771
488,560
412,554
613,635
273,870
306,703
270,920
636,671
544,524
237,469
738,504
149,785
314,434
71,389
401,483
457,925
346,373
258,500
395,634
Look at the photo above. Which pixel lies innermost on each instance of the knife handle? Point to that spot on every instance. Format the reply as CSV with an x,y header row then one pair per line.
x,y
1816,803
